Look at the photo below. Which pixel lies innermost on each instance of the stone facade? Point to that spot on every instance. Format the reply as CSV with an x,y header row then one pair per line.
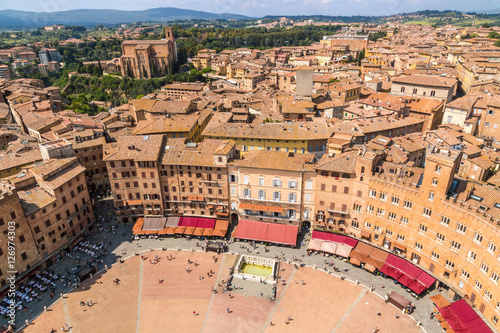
x,y
148,58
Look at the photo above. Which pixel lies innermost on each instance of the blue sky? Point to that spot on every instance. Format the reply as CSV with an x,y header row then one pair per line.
x,y
258,8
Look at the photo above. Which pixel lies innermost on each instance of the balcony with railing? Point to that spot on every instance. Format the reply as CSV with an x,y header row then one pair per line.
x,y
261,215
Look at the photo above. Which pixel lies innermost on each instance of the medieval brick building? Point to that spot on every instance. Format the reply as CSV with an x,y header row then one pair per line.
x,y
148,58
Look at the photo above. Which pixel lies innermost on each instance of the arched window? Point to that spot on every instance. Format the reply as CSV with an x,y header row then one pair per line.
x,y
335,174
363,169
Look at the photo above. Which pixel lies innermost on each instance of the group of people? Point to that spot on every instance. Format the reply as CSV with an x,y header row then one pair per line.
x,y
102,191
89,303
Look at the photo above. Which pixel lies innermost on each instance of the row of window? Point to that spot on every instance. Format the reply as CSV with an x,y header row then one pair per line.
x,y
460,228
394,199
415,91
261,194
292,184
290,213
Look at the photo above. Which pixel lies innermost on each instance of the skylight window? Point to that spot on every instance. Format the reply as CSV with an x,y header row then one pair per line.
x,y
475,197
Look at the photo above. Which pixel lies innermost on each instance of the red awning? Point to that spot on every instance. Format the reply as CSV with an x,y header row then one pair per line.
x,y
426,279
350,241
406,280
417,287
189,221
267,232
251,230
391,271
320,235
205,223
463,311
282,234
477,325
411,270
395,262
337,238
365,234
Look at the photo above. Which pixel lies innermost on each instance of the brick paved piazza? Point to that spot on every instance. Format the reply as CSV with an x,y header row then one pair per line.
x,y
324,303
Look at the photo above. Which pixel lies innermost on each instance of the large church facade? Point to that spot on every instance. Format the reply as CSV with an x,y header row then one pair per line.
x,y
143,59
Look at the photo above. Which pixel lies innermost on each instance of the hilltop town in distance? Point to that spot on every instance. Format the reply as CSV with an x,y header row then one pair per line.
x,y
217,174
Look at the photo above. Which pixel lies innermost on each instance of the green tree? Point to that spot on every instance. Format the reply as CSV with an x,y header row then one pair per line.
x,y
493,35
206,70
361,56
96,71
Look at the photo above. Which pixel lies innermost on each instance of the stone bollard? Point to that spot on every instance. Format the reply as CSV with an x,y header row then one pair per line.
x,y
27,322
192,250
419,323
314,266
135,253
178,248
106,267
356,282
62,296
44,308
91,275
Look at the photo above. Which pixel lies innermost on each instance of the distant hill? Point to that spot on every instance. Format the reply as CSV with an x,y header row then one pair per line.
x,y
91,17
